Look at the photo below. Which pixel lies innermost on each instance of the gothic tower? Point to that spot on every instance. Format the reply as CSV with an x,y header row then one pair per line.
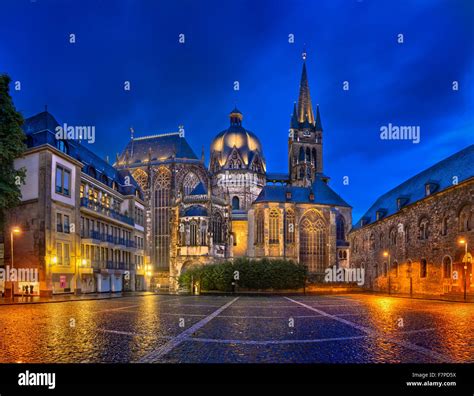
x,y
305,139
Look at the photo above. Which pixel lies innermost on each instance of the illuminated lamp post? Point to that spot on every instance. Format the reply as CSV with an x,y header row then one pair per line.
x,y
463,241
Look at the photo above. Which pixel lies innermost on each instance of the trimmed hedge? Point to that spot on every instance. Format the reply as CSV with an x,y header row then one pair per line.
x,y
252,274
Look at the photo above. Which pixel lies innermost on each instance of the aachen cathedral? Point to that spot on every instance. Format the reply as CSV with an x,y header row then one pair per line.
x,y
198,215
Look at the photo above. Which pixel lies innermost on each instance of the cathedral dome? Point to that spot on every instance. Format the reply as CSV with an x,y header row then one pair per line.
x,y
237,147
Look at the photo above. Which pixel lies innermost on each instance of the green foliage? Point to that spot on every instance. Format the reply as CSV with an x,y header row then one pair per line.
x,y
11,146
252,274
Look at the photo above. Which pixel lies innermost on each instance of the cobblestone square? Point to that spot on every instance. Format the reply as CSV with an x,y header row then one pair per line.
x,y
350,328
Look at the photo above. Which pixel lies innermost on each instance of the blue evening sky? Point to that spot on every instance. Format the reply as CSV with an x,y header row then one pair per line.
x,y
247,41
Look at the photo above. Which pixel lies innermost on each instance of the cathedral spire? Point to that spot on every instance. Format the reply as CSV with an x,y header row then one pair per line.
x,y
294,117
305,108
319,125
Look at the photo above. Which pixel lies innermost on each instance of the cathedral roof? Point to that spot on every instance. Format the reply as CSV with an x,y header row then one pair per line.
x,y
158,148
323,194
195,211
245,142
200,189
439,177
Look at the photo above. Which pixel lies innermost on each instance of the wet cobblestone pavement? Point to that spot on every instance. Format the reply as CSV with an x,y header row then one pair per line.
x,y
226,329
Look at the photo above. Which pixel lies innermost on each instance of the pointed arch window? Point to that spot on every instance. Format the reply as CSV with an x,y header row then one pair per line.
x,y
393,237
193,234
161,216
314,158
301,155
190,182
290,226
423,228
308,154
340,228
313,242
465,219
259,228
274,226
217,228
141,177
203,231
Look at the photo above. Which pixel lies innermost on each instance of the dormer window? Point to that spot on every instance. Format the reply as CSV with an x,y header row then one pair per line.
x,y
427,190
288,195
401,202
430,188
380,214
311,196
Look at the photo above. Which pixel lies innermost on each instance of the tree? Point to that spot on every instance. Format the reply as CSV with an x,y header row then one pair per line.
x,y
12,145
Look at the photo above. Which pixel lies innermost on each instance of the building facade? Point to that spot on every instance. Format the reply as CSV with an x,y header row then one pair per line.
x,y
158,210
413,238
80,220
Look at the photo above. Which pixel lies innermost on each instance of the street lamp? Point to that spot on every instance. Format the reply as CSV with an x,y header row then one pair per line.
x,y
463,241
387,254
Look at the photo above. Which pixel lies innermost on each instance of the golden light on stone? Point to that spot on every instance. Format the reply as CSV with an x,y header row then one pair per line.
x,y
54,260
234,140
462,241
253,144
385,254
16,230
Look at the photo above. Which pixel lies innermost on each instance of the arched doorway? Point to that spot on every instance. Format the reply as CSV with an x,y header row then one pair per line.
x,y
313,242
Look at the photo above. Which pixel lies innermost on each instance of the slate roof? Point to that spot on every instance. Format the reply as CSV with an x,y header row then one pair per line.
x,y
200,189
323,194
40,130
277,176
440,175
163,147
195,210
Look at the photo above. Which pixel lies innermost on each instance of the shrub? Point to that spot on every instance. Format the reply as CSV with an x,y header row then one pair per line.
x,y
252,274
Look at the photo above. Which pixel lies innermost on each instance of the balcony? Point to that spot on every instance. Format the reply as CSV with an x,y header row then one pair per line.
x,y
113,214
91,234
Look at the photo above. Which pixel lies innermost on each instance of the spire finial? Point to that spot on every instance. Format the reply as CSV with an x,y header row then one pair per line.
x,y
305,108
304,53
132,131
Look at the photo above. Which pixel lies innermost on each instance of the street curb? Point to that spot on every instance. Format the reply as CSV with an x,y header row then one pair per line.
x,y
81,299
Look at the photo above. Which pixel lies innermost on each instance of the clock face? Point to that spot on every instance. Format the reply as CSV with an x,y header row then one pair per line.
x,y
306,133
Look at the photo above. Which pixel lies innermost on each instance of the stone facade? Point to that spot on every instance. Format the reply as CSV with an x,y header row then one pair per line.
x,y
78,219
300,217
182,206
421,243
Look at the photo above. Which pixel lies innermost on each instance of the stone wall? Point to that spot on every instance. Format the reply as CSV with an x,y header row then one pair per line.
x,y
406,247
